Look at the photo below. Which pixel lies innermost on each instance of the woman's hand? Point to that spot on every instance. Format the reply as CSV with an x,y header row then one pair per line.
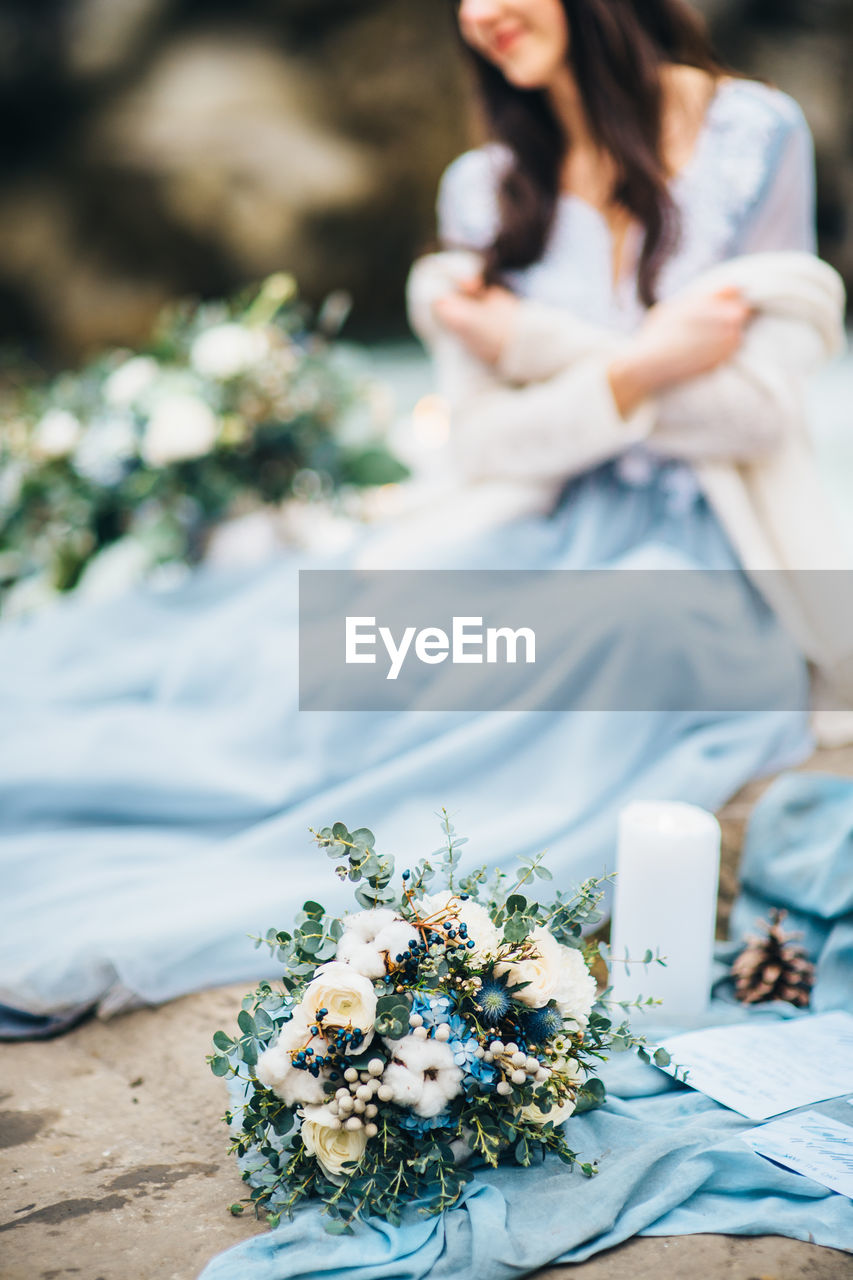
x,y
678,340
482,316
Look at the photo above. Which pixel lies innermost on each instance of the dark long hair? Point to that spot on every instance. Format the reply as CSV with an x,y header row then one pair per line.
x,y
616,51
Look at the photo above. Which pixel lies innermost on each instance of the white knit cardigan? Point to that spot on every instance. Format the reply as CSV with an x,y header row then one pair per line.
x,y
546,412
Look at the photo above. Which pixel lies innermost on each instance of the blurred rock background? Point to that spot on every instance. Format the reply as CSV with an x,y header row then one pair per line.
x,y
152,148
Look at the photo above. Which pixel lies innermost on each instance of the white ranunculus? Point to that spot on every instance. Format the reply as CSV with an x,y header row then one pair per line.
x,y
540,969
575,991
357,944
56,434
441,907
227,350
181,426
346,995
333,1147
130,380
275,1067
423,1075
569,1072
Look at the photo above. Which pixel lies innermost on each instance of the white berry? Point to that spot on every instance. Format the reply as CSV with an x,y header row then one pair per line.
x,y
353,1123
375,1066
503,1088
518,1076
415,1020
350,1074
385,1093
371,1130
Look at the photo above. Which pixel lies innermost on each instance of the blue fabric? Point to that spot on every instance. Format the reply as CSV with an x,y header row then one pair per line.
x,y
153,757
670,1159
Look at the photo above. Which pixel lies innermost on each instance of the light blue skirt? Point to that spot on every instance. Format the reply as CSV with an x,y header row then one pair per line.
x,y
157,781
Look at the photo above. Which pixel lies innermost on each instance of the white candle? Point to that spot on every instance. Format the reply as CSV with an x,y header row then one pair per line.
x,y
665,900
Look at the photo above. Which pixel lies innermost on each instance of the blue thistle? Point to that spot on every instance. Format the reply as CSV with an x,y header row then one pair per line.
x,y
543,1024
492,1001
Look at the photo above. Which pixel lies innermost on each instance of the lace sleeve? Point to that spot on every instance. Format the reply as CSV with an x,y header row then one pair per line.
x,y
783,214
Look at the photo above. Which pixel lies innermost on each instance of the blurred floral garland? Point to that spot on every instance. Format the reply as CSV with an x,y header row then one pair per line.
x,y
131,462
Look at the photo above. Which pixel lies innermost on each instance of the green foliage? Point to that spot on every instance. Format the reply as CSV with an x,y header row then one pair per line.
x,y
233,406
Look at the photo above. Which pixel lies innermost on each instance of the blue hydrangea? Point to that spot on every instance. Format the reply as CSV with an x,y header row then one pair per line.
x,y
436,1009
433,1008
423,1124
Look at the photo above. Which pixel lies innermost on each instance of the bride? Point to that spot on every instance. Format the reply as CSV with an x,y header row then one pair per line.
x,y
621,314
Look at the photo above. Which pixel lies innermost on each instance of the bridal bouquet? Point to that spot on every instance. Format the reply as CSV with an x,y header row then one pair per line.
x,y
452,1019
130,462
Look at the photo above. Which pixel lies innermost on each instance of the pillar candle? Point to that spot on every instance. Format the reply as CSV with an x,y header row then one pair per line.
x,y
665,900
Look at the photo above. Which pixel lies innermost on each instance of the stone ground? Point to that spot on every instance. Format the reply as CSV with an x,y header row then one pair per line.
x,y
114,1163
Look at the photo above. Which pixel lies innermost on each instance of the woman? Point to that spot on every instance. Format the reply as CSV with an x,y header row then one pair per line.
x,y
157,778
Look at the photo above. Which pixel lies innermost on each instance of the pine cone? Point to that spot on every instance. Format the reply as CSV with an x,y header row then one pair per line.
x,y
771,968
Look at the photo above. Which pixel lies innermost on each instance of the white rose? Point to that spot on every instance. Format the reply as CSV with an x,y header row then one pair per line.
x,y
275,1067
346,995
442,907
130,380
570,1073
227,350
540,969
56,434
576,989
181,426
333,1147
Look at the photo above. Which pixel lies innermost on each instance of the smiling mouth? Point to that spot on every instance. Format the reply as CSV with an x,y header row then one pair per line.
x,y
503,41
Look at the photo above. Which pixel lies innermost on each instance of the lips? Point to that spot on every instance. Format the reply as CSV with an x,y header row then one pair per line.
x,y
503,39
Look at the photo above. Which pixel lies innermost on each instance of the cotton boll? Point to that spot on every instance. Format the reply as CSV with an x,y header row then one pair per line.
x,y
357,945
449,907
395,938
423,1075
276,1071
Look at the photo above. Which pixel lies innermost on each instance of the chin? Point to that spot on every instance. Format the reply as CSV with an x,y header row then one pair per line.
x,y
530,72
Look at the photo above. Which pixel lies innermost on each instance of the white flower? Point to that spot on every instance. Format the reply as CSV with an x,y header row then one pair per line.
x,y
56,434
346,995
539,969
130,380
181,426
422,1075
440,907
331,1145
357,943
571,1074
103,450
575,990
552,972
227,350
275,1067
